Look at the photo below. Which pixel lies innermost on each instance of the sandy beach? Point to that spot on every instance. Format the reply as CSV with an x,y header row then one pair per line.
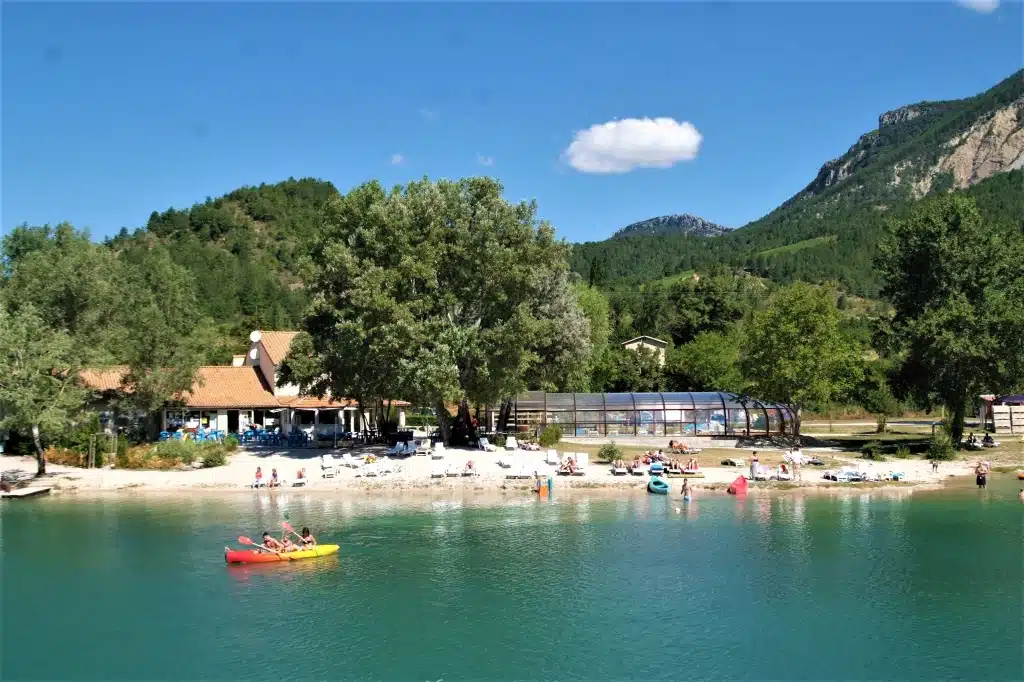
x,y
420,472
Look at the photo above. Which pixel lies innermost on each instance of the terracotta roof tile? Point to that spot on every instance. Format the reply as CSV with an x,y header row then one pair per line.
x,y
104,378
229,387
277,344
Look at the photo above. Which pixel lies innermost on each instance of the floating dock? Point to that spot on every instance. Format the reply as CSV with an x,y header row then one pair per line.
x,y
31,491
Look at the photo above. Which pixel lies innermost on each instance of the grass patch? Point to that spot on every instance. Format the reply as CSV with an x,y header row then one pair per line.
x,y
798,246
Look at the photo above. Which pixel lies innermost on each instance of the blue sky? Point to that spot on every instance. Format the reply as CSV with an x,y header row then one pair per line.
x,y
113,110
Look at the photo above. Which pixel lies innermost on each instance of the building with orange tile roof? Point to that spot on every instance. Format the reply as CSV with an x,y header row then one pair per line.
x,y
248,393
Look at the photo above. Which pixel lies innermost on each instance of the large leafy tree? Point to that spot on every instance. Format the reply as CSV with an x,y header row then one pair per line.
x,y
795,352
957,287
440,293
710,362
160,319
39,396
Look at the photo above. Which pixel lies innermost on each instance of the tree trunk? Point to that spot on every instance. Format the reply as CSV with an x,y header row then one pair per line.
x,y
798,412
956,430
442,421
40,453
465,415
503,415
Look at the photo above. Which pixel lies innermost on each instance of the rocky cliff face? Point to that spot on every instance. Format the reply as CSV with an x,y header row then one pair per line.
x,y
672,224
919,147
993,144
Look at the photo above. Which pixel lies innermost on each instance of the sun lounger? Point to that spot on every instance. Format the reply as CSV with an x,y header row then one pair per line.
x,y
781,475
328,466
395,449
437,452
505,461
511,443
347,460
581,463
438,469
299,483
638,470
551,458
467,471
619,471
486,446
763,473
424,448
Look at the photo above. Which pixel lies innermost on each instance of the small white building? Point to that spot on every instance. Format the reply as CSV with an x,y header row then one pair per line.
x,y
650,343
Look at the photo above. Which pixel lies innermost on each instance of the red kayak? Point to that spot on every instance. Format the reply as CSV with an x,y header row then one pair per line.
x,y
252,556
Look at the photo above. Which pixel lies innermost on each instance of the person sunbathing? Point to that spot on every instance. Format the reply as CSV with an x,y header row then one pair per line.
x,y
469,465
570,466
636,462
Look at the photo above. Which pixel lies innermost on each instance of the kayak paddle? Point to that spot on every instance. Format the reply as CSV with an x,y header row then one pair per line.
x,y
246,541
288,529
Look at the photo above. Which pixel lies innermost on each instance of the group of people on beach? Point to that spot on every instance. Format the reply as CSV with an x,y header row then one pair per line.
x,y
305,540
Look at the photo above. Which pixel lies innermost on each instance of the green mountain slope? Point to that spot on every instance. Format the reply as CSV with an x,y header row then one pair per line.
x,y
974,145
242,248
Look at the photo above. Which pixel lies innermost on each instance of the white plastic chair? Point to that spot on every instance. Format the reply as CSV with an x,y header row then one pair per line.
x,y
328,467
511,443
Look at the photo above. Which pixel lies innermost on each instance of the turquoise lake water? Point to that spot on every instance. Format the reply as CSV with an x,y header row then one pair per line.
x,y
877,586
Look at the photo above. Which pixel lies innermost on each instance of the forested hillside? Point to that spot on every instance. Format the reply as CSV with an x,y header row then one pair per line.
x,y
243,250
830,229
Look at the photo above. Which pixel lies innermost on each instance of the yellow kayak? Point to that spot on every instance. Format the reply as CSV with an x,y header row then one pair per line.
x,y
251,556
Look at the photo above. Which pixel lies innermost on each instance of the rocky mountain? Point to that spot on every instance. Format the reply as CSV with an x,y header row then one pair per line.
x,y
831,228
679,224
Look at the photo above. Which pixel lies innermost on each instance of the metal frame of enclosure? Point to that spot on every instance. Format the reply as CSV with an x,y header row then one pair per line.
x,y
598,415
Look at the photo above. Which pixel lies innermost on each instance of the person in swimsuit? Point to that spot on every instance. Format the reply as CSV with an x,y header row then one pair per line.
x,y
686,490
306,539
981,475
274,481
270,542
259,478
288,546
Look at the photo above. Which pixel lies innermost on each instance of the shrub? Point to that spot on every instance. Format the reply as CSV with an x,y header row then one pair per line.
x,y
65,457
881,422
941,447
609,452
550,435
874,451
177,451
902,452
500,441
214,455
121,454
231,443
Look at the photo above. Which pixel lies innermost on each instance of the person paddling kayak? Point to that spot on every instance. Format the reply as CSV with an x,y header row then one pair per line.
x,y
306,538
271,543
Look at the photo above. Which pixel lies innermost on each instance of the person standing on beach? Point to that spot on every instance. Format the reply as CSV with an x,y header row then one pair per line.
x,y
753,465
935,466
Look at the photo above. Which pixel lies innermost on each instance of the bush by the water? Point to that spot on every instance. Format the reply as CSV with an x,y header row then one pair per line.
x,y
941,447
873,451
903,452
550,435
171,454
609,452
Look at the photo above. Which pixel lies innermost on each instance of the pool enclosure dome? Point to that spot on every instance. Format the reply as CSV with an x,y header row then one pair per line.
x,y
586,415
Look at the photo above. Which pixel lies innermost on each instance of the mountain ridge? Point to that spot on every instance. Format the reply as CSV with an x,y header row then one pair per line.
x,y
675,223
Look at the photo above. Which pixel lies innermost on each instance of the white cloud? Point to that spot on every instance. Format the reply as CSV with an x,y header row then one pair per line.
x,y
429,114
983,6
485,160
397,159
630,143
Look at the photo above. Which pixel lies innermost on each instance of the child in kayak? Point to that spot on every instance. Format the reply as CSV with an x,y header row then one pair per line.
x,y
271,542
306,539
288,546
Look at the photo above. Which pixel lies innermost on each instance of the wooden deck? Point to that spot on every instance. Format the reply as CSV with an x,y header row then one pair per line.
x,y
30,491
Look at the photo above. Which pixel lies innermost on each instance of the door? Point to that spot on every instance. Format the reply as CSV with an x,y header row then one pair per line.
x,y
233,421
